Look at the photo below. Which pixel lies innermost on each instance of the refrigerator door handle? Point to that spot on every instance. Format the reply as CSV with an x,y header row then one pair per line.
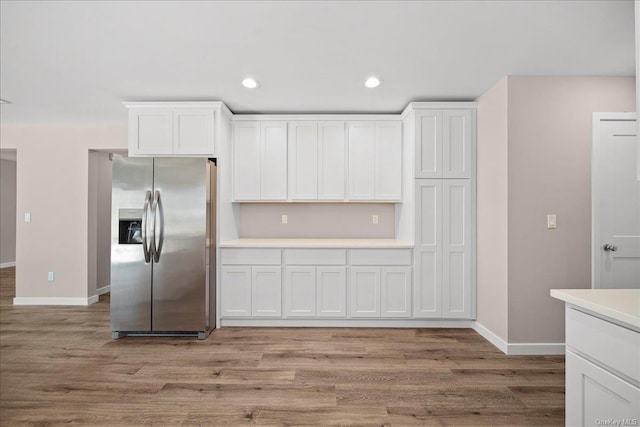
x,y
156,213
145,215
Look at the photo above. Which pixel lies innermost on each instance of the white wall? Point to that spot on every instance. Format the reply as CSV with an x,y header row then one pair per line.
x,y
7,212
317,220
492,213
53,184
547,162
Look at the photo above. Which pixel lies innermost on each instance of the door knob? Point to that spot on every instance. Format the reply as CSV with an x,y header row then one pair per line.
x,y
609,247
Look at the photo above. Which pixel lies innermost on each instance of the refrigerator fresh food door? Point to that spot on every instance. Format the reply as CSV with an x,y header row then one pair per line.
x,y
130,262
179,207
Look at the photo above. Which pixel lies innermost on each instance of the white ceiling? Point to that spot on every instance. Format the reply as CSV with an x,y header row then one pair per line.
x,y
74,60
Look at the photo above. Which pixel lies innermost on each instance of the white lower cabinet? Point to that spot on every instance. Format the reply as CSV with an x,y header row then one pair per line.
x,y
380,291
595,395
236,291
266,285
315,291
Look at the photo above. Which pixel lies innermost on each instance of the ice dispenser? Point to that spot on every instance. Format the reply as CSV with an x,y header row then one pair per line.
x,y
130,226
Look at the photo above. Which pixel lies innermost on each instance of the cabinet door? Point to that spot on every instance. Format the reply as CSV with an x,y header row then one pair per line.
x,y
361,161
331,291
246,161
364,285
332,165
428,144
427,289
150,132
456,243
266,292
236,291
395,294
300,291
594,394
193,132
303,161
274,161
388,160
456,144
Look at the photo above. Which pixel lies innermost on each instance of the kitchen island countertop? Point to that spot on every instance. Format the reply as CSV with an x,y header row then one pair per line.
x,y
317,243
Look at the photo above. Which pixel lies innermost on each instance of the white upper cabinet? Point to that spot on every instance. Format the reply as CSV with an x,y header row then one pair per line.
x,y
361,161
443,143
259,161
331,160
456,144
273,184
193,131
375,161
246,160
162,129
388,160
303,160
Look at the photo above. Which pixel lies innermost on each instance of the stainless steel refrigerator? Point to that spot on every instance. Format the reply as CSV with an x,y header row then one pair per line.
x,y
163,226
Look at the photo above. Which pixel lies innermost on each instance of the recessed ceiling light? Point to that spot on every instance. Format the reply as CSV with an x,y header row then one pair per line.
x,y
4,101
250,83
372,82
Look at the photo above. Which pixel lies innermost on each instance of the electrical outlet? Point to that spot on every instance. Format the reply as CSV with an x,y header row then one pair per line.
x,y
50,276
374,219
27,217
285,219
551,221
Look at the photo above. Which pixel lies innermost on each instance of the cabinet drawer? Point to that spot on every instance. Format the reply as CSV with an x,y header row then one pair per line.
x,y
605,342
380,257
251,256
315,256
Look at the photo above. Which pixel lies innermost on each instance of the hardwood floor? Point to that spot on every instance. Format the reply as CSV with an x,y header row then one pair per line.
x,y
58,365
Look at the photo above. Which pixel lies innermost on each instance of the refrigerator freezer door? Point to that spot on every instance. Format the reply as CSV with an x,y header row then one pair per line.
x,y
130,274
179,275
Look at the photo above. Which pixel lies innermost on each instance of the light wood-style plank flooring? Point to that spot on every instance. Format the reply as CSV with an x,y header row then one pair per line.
x,y
58,365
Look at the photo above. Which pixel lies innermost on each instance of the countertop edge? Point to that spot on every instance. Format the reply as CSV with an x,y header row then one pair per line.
x,y
596,308
314,244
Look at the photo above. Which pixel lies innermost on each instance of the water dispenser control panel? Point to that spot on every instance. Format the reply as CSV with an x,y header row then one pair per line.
x,y
130,226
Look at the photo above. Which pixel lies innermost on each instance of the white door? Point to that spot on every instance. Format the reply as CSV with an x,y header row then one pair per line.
x,y
594,395
300,291
364,285
303,160
266,292
332,165
361,161
456,246
456,144
273,185
331,291
246,161
388,160
428,128
150,131
395,295
616,202
193,132
427,288
236,291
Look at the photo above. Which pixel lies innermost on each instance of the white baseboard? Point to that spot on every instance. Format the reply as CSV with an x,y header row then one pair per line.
x,y
491,337
54,301
103,290
7,264
518,349
347,323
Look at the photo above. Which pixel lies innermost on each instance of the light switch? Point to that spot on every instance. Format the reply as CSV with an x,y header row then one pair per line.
x,y
285,219
50,276
551,221
374,219
27,217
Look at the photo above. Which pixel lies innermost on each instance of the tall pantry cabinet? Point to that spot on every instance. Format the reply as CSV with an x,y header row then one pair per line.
x,y
444,203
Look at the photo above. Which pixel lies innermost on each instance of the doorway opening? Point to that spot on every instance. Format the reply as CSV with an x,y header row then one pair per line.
x,y
8,192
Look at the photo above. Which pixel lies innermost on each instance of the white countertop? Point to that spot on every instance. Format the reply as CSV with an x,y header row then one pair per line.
x,y
622,305
316,243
